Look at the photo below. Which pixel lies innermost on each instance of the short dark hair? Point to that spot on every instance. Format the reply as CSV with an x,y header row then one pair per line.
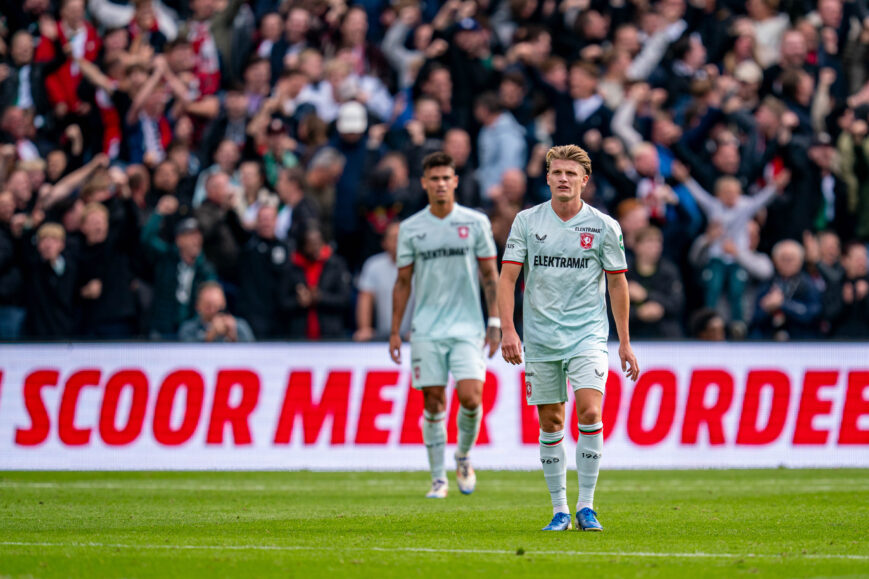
x,y
489,101
438,159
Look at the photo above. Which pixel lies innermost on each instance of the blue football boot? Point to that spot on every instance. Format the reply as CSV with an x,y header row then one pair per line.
x,y
586,520
560,522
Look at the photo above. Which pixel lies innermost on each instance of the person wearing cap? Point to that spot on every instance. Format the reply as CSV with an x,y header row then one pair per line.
x,y
279,151
352,142
178,270
51,283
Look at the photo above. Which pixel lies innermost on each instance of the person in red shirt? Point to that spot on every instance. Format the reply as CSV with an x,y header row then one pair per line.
x,y
75,36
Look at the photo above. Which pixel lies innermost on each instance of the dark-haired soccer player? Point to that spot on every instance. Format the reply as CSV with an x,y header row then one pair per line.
x,y
443,249
569,250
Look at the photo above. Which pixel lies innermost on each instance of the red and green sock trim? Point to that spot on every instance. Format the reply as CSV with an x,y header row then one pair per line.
x,y
594,429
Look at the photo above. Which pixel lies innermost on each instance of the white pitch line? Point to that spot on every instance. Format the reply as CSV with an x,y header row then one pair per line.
x,y
843,486
434,550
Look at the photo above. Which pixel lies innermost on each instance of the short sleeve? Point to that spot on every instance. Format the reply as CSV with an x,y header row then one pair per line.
x,y
516,249
367,277
485,242
613,248
404,254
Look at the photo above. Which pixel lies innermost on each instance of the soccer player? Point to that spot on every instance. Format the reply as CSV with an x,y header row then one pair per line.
x,y
566,247
444,249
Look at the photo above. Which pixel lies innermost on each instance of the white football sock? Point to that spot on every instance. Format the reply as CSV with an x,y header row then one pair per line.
x,y
589,450
468,422
434,434
553,460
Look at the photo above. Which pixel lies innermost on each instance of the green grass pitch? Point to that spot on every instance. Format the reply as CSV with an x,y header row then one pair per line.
x,y
733,523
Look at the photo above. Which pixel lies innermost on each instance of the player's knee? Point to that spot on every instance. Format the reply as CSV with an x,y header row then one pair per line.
x,y
590,415
469,401
551,423
434,402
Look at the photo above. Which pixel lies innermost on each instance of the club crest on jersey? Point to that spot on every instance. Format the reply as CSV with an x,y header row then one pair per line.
x,y
464,231
585,240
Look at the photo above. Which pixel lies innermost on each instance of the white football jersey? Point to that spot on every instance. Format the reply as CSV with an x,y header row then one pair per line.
x,y
444,254
564,264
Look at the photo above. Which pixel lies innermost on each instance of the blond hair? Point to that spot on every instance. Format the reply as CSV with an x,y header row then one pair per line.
x,y
94,207
51,230
569,153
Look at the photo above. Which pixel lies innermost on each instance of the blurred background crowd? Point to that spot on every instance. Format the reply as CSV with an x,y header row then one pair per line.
x,y
228,170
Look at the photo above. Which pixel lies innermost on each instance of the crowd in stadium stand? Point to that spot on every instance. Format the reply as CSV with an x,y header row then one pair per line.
x,y
230,170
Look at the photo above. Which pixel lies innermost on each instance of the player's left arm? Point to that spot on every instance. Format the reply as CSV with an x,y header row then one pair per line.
x,y
614,264
621,304
484,249
489,282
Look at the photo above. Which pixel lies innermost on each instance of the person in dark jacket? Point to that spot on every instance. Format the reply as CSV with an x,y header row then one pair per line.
x,y
655,288
790,305
11,295
318,294
296,209
51,283
178,270
222,231
108,303
850,297
263,268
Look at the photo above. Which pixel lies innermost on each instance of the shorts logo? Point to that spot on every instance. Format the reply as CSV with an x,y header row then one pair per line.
x,y
416,372
599,374
585,240
464,231
527,388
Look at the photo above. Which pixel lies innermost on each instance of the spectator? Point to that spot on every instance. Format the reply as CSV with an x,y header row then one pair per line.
x,y
457,144
296,208
212,323
263,269
706,324
788,307
850,311
11,282
655,289
318,296
352,143
374,305
222,231
501,143
732,212
52,282
109,308
24,85
178,270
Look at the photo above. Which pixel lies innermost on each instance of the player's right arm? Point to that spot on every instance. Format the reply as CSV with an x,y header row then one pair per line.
x,y
400,296
511,345
404,257
514,258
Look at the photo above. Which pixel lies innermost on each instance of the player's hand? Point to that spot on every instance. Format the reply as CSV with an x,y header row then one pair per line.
x,y
493,340
629,361
395,348
511,347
